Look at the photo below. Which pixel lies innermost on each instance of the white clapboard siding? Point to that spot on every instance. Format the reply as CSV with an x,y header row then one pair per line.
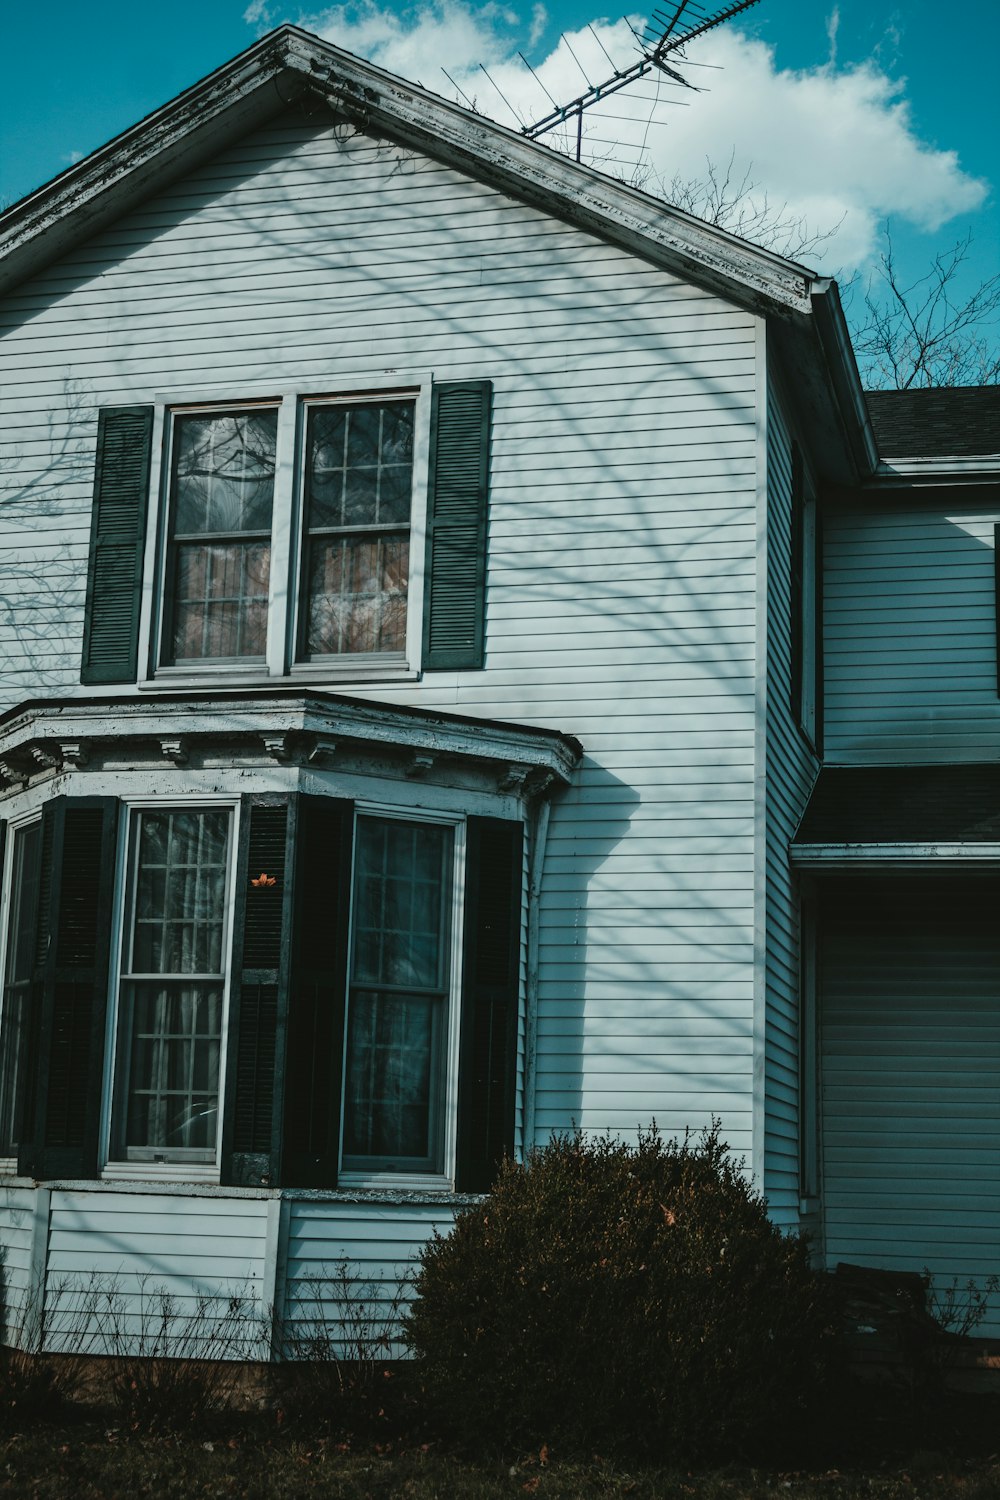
x,y
790,772
117,1260
910,1057
347,1272
20,1299
621,600
910,631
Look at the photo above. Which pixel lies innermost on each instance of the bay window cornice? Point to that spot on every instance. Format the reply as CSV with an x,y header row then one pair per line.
x,y
43,740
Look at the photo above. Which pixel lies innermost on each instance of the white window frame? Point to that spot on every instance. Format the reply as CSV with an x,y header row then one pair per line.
x,y
8,1164
435,1181
287,536
155,1170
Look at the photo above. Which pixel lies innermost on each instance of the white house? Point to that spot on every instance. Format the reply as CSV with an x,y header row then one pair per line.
x,y
410,659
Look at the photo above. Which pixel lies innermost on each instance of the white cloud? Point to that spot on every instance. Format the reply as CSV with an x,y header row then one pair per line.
x,y
836,144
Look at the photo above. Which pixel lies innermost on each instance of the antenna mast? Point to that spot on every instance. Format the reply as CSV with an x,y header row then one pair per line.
x,y
685,20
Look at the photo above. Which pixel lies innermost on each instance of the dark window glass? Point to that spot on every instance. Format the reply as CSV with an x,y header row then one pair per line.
x,y
397,1004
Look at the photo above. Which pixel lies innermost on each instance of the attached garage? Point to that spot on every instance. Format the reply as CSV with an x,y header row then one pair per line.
x,y
909,1073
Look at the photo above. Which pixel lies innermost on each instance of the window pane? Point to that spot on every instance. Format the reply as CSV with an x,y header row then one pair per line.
x,y
398,903
15,1016
220,599
224,472
171,1026
395,1039
390,1056
360,464
180,892
357,594
174,1066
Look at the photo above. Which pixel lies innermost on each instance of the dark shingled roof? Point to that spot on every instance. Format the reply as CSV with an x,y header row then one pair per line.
x,y
903,805
961,421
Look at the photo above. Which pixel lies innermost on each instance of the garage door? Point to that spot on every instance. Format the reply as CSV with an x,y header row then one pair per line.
x,y
910,1075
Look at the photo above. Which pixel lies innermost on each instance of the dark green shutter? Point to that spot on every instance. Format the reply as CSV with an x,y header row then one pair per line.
x,y
69,1011
117,544
258,998
455,594
319,986
488,1050
286,1011
996,588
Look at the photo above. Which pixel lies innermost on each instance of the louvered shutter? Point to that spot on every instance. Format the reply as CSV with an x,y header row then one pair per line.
x,y
488,1050
455,594
319,985
258,997
117,543
69,1009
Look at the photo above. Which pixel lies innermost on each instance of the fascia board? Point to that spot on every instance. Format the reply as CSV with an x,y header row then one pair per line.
x,y
850,856
981,466
260,81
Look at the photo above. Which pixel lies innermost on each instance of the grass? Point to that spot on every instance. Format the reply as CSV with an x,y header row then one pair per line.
x,y
93,1462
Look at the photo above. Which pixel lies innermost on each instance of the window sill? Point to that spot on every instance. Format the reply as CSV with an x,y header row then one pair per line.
x,y
155,1171
209,679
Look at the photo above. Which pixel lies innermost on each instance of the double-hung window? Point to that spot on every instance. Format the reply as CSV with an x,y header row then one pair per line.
x,y
338,517
172,991
356,551
398,1007
218,557
319,535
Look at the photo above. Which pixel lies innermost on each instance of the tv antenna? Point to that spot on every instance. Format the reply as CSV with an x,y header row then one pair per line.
x,y
673,29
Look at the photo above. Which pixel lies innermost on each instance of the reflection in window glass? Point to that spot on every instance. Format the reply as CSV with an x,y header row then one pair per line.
x,y
220,541
397,1003
18,965
173,986
358,486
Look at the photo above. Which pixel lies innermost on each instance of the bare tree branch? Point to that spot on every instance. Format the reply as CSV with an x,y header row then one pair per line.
x,y
927,333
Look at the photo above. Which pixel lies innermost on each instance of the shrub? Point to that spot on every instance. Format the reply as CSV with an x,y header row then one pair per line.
x,y
608,1297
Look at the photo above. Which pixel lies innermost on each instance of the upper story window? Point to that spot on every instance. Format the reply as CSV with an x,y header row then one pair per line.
x,y
219,549
329,535
356,565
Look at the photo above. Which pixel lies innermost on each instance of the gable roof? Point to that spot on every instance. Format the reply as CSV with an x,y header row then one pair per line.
x,y
945,422
290,66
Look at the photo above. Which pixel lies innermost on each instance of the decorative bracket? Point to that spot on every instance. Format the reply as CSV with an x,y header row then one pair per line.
x,y
10,778
419,763
44,759
74,752
175,750
278,746
322,751
513,779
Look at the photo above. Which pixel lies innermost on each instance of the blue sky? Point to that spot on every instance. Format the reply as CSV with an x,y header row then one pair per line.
x,y
852,113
